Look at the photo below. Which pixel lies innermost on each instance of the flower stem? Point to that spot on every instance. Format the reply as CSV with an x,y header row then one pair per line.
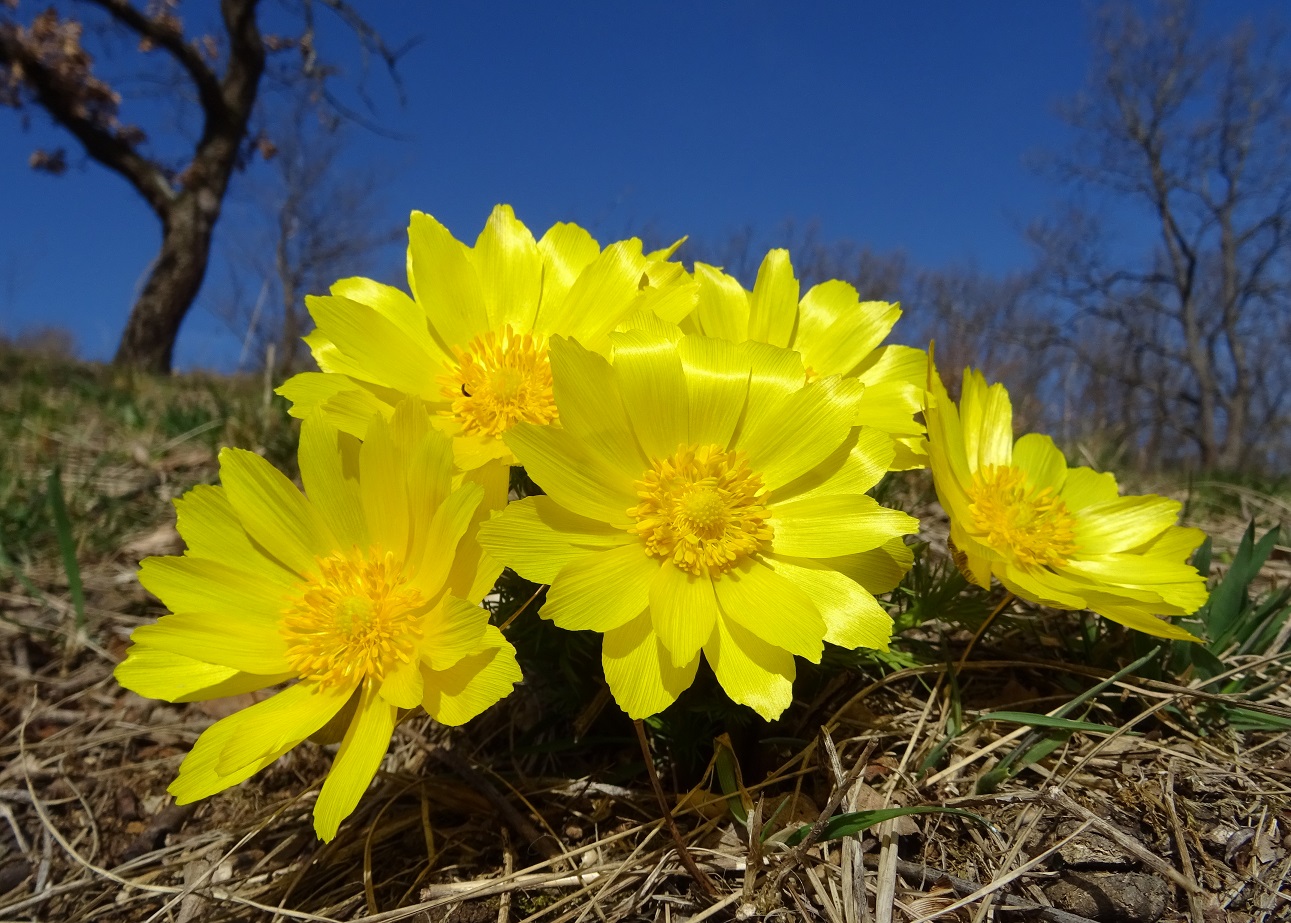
x,y
704,882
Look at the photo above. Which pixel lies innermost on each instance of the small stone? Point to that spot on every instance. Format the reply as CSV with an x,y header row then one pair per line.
x,y
1091,850
1110,897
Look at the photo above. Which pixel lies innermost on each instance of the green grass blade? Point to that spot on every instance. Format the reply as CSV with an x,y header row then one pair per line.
x,y
67,546
1044,721
1036,745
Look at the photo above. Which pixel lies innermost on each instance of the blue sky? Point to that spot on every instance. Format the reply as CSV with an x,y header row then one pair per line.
x,y
897,125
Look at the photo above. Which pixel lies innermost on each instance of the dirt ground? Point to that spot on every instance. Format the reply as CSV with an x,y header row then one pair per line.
x,y
1166,802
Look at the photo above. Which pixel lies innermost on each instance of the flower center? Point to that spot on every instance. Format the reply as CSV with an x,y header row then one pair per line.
x,y
702,508
354,618
1034,526
501,378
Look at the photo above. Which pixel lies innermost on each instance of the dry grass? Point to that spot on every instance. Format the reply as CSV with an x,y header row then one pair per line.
x,y
1170,803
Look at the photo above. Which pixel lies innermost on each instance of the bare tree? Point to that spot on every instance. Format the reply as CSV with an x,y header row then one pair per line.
x,y
1195,133
316,220
43,62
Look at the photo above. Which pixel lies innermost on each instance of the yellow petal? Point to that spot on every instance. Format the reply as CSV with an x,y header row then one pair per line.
x,y
683,610
1040,586
1148,624
375,349
828,526
601,590
591,405
723,308
879,570
159,674
229,638
1123,523
717,384
987,418
773,306
837,331
402,687
654,391
603,295
430,479
394,306
639,669
344,402
853,618
332,490
671,294
947,451
383,488
1176,582
357,761
443,536
806,428
567,250
752,672
1085,487
774,374
456,695
536,537
274,512
1040,459
775,609
210,527
856,466
187,584
254,738
444,282
474,570
574,477
454,629
509,267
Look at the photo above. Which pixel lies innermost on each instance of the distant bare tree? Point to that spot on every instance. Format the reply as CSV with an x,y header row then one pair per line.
x,y
1187,344
318,220
44,63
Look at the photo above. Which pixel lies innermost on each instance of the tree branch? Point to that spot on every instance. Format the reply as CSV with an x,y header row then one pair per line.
x,y
165,36
61,100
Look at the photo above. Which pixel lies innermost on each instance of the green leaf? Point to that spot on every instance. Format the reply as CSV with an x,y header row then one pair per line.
x,y
1044,721
841,825
728,778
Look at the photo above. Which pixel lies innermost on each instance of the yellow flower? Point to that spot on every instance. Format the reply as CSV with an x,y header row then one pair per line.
x,y
364,592
472,341
701,498
1062,537
835,333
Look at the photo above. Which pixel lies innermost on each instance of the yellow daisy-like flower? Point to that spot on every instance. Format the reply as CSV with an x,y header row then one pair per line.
x,y
835,333
472,341
364,591
700,497
1058,536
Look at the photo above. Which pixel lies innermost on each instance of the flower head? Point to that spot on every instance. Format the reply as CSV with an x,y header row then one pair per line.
x,y
363,593
700,499
835,333
1058,536
472,341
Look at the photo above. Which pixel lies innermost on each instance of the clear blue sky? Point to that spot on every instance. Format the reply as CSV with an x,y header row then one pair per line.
x,y
897,125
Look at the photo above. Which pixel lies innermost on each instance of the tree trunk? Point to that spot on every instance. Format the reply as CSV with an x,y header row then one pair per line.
x,y
148,342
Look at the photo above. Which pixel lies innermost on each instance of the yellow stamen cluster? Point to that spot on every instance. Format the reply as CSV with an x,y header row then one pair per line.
x,y
501,378
353,619
702,508
1032,525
